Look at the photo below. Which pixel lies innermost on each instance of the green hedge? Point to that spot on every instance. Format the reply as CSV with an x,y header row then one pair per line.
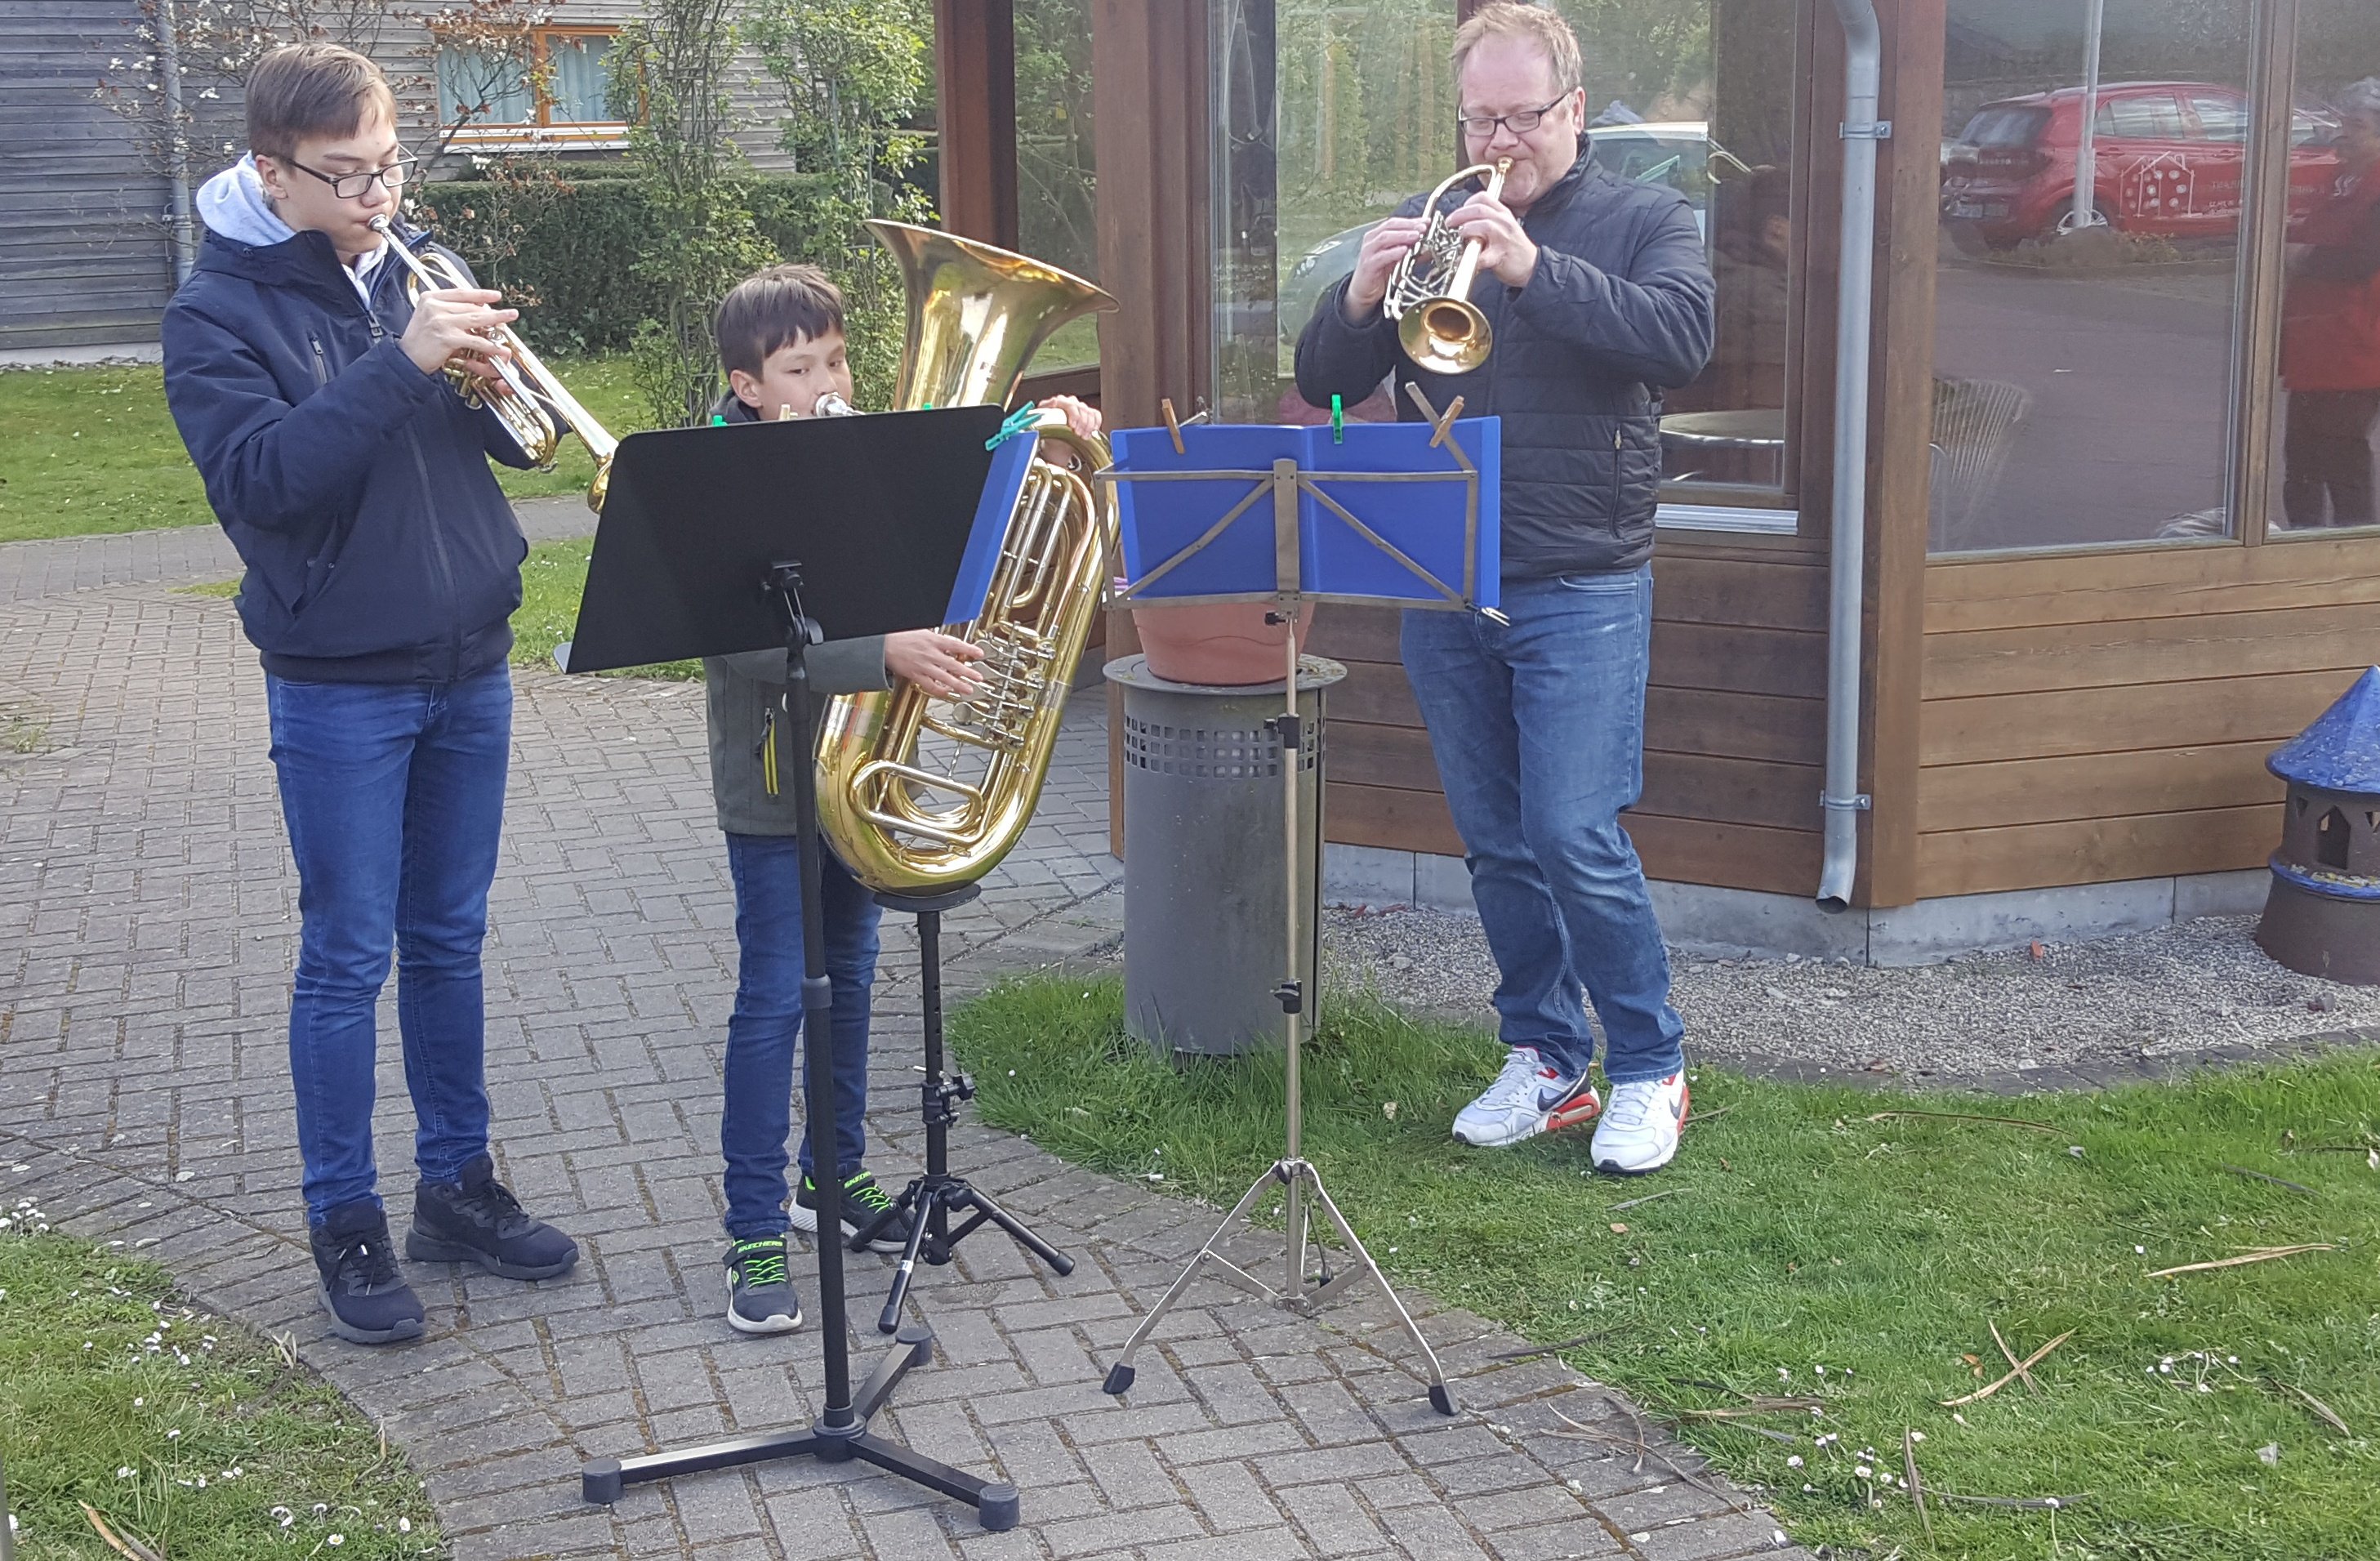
x,y
567,248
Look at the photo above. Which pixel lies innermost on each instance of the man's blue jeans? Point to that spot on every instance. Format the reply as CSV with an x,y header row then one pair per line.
x,y
1538,729
394,794
763,1031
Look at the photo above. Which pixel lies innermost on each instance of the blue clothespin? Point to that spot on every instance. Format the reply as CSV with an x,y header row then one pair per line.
x,y
1019,421
1338,420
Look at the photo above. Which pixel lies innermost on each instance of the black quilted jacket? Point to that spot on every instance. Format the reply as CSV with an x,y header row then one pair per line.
x,y
1619,307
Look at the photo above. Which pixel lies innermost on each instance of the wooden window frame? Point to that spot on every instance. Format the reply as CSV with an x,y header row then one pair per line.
x,y
544,132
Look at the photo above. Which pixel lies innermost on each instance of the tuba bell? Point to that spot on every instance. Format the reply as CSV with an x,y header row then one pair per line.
x,y
1430,290
536,398
920,794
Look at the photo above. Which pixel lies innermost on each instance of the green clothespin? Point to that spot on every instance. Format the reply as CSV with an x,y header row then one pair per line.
x,y
1338,420
1019,421
718,421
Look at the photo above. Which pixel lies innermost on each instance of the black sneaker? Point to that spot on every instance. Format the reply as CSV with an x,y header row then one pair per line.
x,y
368,1300
863,1200
478,1221
761,1297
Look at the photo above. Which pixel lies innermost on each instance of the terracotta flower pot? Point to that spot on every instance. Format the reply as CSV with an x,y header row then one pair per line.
x,y
1219,644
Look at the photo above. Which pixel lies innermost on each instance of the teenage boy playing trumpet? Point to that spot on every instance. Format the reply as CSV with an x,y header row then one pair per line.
x,y
781,340
382,567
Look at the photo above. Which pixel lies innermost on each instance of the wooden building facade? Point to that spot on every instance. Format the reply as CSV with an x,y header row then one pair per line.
x,y
2095,597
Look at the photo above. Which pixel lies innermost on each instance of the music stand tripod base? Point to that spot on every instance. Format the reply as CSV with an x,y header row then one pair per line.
x,y
606,1480
933,1198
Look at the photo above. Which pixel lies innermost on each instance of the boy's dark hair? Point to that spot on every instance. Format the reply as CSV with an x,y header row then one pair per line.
x,y
773,309
303,90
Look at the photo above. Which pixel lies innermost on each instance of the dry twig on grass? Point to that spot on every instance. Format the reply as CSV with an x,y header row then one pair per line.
x,y
2259,1176
1759,1405
2261,1254
2022,1367
1916,1486
2014,1504
1664,1193
2030,1385
2322,1411
1969,1117
123,1546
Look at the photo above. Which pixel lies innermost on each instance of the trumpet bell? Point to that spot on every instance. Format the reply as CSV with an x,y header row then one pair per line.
x,y
1446,335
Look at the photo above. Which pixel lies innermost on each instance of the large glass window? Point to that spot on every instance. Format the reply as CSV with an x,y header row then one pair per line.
x,y
2085,325
555,81
2328,411
1057,189
1330,115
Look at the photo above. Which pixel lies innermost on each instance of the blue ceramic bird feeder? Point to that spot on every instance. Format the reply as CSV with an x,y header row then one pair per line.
x,y
2323,916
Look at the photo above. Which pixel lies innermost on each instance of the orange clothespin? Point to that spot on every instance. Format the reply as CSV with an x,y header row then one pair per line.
x,y
1173,423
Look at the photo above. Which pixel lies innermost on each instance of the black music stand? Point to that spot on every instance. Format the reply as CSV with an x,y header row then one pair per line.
x,y
710,540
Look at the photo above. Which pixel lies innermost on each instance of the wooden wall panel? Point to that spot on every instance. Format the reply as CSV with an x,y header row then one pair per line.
x,y
975,46
2097,717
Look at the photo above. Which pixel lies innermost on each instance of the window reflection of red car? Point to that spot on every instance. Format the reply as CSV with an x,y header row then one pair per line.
x,y
2171,162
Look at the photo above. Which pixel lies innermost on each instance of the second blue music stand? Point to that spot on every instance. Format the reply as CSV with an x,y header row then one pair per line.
x,y
1400,514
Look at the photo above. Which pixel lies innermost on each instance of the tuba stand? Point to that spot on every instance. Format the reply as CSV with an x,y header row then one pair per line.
x,y
936,1196
840,1434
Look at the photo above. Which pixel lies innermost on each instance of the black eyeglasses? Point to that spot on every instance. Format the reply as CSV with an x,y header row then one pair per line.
x,y
1520,122
350,186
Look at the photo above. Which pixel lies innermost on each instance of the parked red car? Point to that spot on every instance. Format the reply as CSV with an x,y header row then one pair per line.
x,y
2170,157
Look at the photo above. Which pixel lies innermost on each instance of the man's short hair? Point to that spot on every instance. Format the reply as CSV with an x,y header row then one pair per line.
x,y
304,91
774,308
1535,24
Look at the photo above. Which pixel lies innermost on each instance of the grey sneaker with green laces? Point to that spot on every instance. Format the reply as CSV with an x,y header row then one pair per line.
x,y
863,1203
761,1297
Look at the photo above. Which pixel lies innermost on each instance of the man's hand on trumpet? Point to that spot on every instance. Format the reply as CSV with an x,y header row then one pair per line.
x,y
1505,252
452,323
1382,247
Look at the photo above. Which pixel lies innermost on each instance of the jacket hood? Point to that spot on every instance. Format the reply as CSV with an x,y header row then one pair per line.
x,y
729,408
233,204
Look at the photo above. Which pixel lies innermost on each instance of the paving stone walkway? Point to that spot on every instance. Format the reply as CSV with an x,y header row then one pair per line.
x,y
147,926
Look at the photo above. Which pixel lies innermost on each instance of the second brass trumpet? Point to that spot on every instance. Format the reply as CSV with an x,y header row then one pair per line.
x,y
1429,291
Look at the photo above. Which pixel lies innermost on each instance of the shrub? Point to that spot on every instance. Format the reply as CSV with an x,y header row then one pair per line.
x,y
566,244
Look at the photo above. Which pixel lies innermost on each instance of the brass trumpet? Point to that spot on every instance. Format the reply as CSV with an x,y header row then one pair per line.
x,y
1430,290
538,398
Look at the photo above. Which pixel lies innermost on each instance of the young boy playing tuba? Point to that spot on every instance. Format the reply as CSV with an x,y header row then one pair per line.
x,y
781,340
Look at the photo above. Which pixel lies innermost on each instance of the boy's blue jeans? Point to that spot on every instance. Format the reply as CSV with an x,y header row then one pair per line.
x,y
1538,729
394,795
763,1031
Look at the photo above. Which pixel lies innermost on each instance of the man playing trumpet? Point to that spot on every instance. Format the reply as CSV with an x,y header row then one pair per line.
x,y
383,566
1598,295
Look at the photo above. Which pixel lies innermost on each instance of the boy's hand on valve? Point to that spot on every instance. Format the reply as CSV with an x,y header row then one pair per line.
x,y
933,661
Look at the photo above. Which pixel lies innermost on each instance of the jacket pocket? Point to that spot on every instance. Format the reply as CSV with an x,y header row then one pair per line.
x,y
321,360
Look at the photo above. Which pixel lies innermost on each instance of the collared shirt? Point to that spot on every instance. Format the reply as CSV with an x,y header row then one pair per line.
x,y
360,272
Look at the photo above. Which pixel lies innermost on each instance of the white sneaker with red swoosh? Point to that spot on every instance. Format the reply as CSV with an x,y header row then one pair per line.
x,y
1639,1133
1527,1098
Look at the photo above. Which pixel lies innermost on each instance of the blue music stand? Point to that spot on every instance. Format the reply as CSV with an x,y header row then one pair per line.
x,y
1394,514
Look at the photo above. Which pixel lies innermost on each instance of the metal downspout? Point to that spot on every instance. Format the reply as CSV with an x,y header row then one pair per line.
x,y
1841,800
177,142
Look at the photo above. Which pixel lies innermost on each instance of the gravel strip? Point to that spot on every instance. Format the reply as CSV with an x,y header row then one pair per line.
x,y
2194,986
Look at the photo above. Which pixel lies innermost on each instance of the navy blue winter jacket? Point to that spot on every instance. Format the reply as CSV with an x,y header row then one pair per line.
x,y
1620,307
355,487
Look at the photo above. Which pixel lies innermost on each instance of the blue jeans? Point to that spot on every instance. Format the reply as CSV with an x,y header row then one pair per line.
x,y
394,794
766,1026
1538,729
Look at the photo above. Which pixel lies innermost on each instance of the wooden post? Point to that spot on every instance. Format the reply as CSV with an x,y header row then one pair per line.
x,y
975,52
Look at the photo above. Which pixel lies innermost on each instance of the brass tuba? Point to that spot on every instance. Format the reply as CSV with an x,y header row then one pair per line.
x,y
1430,290
536,398
920,794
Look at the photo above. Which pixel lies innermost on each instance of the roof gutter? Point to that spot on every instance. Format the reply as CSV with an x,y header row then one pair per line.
x,y
1841,800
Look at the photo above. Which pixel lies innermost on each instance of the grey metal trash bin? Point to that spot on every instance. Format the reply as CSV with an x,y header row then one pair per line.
x,y
1203,897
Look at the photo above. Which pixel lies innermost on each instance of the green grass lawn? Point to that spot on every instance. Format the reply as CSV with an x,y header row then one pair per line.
x,y
86,451
201,1439
1810,1249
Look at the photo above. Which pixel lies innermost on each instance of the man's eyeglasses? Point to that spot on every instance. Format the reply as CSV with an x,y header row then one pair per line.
x,y
350,186
1520,121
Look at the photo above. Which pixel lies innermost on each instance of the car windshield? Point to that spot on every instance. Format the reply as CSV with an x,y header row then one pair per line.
x,y
2004,126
